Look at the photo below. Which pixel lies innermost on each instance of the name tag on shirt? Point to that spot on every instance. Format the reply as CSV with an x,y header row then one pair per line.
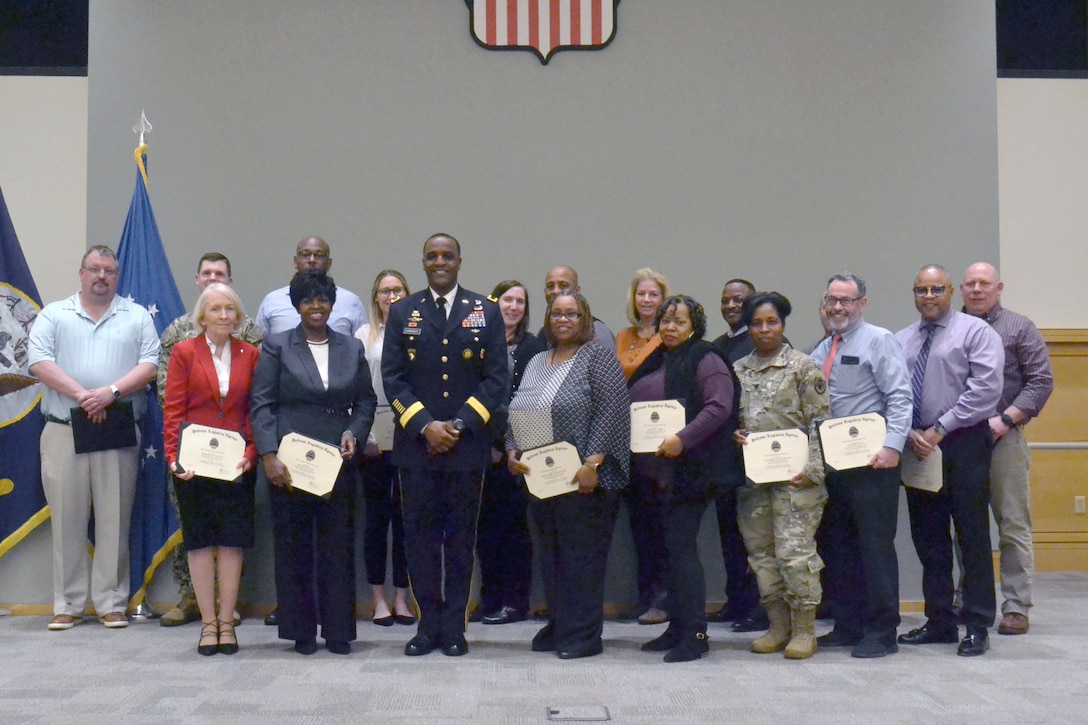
x,y
850,360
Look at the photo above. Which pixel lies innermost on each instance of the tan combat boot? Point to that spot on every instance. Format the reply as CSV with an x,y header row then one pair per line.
x,y
186,611
775,638
803,639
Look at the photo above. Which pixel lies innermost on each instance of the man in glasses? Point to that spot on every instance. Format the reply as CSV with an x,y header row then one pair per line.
x,y
94,352
956,362
1027,383
866,373
277,314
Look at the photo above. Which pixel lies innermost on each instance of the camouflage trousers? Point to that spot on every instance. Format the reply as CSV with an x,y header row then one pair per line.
x,y
181,556
778,522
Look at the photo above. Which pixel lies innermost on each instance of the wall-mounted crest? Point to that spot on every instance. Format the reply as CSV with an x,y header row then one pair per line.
x,y
542,26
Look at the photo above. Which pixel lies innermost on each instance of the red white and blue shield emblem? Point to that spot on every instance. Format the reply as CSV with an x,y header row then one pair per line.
x,y
543,26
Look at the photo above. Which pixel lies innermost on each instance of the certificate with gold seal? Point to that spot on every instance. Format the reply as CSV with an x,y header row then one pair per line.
x,y
654,421
211,452
551,469
314,465
852,441
775,455
384,425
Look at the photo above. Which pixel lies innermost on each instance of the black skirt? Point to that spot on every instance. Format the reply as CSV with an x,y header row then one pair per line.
x,y
216,513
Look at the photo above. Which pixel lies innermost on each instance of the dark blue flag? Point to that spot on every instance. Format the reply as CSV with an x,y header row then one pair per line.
x,y
22,501
146,278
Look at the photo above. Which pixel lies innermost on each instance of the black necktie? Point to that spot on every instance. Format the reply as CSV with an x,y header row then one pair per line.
x,y
441,302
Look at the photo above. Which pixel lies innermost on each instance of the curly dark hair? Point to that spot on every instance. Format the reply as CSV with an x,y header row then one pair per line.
x,y
698,314
311,285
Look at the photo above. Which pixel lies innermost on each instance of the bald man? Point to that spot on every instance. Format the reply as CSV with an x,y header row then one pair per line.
x,y
1028,383
564,278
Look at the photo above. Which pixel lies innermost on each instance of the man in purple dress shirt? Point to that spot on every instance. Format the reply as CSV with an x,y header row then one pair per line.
x,y
1028,382
956,363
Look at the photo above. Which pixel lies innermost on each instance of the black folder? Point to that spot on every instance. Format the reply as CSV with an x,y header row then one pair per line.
x,y
118,430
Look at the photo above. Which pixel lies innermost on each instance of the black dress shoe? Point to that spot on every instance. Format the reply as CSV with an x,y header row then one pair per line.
x,y
755,623
405,619
305,646
689,648
338,646
272,620
456,648
974,644
664,643
505,615
930,634
384,621
421,644
838,638
544,641
722,615
871,647
574,654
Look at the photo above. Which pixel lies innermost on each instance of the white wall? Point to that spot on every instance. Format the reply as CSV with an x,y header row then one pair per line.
x,y
1043,160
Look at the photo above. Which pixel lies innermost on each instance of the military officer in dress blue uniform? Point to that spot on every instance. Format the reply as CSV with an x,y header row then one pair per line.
x,y
445,373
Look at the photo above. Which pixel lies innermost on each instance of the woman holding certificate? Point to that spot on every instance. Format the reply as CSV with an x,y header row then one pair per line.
x,y
574,393
312,392
782,390
633,345
207,390
381,489
679,479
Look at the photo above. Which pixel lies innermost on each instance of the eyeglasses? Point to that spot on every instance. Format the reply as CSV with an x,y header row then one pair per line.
x,y
846,302
560,315
395,292
936,291
96,271
319,256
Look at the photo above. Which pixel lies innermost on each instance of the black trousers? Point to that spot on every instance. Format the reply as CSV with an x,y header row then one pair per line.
x,y
314,542
381,494
687,582
440,509
858,531
503,544
646,508
741,589
575,534
964,500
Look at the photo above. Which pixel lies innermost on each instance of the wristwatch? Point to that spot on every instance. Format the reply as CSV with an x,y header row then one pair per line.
x,y
592,466
940,429
1007,420
116,392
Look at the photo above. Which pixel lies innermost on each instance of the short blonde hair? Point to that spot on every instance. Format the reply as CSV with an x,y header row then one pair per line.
x,y
201,305
643,275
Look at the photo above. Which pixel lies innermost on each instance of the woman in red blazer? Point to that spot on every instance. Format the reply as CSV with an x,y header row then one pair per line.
x,y
208,383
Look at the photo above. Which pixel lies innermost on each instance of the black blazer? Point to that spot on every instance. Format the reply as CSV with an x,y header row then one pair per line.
x,y
288,396
435,369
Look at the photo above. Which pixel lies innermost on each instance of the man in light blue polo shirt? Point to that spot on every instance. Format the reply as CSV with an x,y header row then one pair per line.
x,y
867,373
89,351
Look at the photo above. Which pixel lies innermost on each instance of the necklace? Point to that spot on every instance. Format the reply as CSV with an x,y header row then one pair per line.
x,y
318,342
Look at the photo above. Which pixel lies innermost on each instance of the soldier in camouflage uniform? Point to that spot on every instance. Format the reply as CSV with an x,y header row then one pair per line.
x,y
780,389
212,267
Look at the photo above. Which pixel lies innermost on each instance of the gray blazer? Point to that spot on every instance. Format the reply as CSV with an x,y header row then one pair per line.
x,y
288,396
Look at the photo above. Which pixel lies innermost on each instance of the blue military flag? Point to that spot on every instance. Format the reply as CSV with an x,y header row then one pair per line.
x,y
22,500
146,278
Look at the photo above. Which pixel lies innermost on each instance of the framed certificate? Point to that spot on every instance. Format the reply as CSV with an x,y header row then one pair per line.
x,y
851,442
384,425
314,465
654,421
211,452
927,475
551,469
776,455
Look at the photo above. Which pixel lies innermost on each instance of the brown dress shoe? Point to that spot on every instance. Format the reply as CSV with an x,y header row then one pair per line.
x,y
1013,623
62,622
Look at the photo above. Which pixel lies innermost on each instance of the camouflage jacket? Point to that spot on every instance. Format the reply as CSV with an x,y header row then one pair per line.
x,y
787,391
181,329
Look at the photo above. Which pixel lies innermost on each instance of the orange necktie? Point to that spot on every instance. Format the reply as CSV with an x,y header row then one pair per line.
x,y
830,359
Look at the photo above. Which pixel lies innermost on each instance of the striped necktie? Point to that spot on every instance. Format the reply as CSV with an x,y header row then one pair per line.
x,y
919,374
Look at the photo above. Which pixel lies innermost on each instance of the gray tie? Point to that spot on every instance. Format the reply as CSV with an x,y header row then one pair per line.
x,y
919,373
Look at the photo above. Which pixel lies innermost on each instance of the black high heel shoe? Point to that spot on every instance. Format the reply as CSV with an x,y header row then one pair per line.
x,y
226,629
210,629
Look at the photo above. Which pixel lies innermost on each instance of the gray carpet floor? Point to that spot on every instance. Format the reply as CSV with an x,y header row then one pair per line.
x,y
151,674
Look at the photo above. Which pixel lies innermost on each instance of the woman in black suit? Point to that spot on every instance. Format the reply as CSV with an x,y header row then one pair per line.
x,y
313,381
503,545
